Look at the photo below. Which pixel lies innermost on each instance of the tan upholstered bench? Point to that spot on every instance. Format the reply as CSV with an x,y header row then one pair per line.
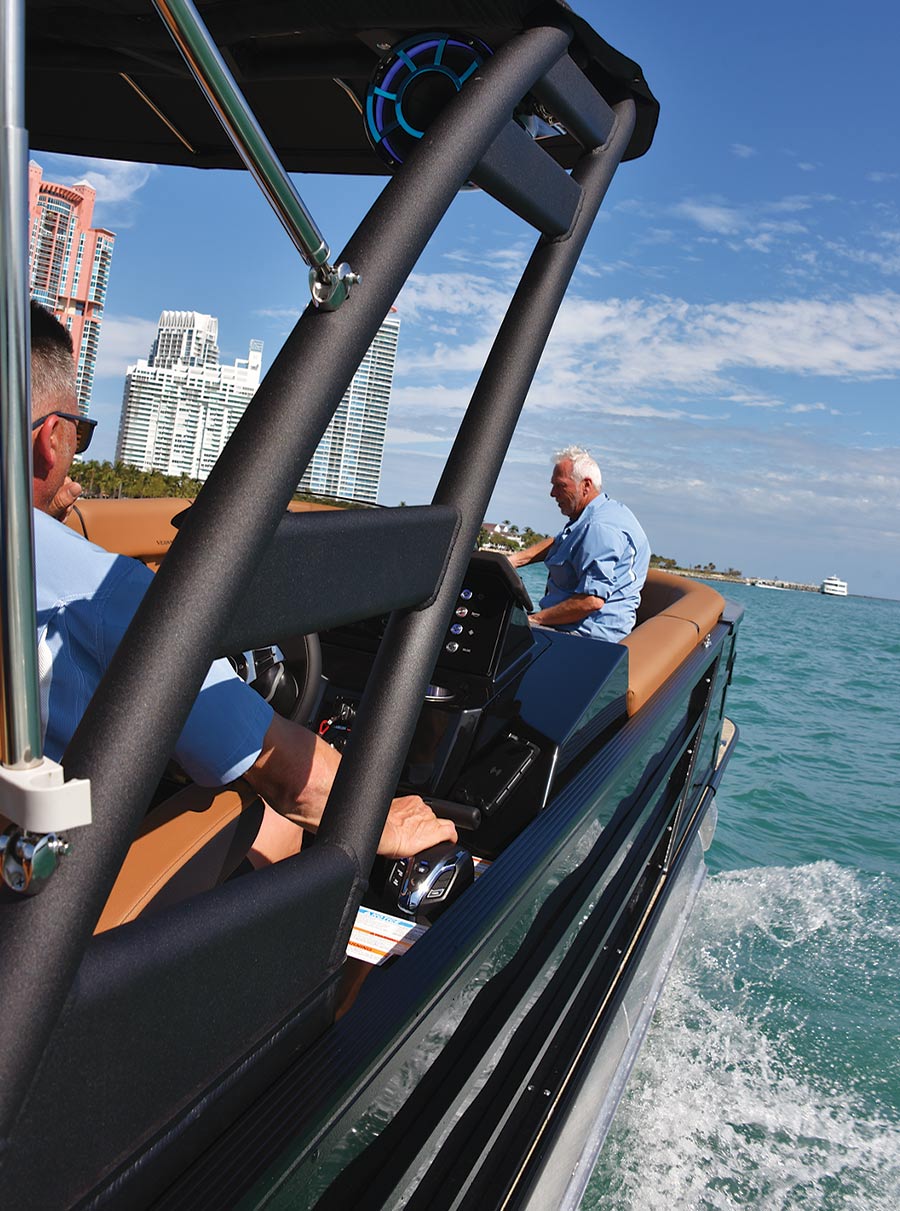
x,y
675,615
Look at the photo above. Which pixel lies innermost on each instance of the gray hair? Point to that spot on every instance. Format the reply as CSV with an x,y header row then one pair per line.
x,y
52,361
583,464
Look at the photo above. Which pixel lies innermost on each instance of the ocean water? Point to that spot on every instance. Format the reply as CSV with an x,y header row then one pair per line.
x,y
771,1074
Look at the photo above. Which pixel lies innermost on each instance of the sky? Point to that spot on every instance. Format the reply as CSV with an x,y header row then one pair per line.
x,y
729,348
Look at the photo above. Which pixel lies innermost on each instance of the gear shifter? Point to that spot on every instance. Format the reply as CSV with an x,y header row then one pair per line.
x,y
424,885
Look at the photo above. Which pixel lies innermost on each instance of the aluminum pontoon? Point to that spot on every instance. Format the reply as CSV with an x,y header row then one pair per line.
x,y
180,1045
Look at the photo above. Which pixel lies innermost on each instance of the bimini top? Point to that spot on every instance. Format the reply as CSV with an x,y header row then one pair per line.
x,y
105,79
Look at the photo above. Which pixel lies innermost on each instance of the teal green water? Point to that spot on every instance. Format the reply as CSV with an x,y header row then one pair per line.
x,y
771,1074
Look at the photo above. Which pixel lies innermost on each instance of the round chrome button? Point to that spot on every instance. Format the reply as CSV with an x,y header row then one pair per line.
x,y
461,611
466,594
456,629
451,646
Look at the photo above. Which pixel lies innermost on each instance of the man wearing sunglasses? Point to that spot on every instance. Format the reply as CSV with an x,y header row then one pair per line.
x,y
86,598
60,431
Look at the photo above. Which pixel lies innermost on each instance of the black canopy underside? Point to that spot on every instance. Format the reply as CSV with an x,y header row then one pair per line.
x,y
302,64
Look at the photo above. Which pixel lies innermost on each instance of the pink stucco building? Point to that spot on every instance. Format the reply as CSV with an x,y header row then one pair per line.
x,y
69,265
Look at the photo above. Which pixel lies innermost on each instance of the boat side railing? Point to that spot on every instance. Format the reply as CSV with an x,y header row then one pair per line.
x,y
20,716
162,660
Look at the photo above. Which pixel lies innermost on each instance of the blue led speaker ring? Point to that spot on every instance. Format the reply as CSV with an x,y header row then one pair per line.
x,y
412,84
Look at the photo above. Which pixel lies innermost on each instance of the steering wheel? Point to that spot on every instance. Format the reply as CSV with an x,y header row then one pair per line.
x,y
304,654
291,686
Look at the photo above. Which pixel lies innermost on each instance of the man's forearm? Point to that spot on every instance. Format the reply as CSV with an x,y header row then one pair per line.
x,y
532,554
574,609
294,773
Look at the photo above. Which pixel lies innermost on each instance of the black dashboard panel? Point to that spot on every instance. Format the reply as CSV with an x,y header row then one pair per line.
x,y
489,627
510,707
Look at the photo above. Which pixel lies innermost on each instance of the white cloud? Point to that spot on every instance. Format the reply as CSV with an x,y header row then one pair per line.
x,y
123,339
742,151
291,314
115,181
712,216
429,399
411,437
885,260
639,349
458,294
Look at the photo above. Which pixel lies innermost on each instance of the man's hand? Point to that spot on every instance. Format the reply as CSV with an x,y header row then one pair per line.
x,y
294,773
412,826
63,502
533,554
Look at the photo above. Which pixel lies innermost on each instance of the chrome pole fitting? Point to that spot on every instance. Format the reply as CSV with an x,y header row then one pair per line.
x,y
27,861
329,286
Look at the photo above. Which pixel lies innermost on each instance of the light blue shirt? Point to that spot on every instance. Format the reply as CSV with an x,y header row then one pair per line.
x,y
605,553
86,598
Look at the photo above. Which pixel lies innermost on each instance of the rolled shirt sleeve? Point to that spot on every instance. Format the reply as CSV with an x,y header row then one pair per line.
x,y
86,598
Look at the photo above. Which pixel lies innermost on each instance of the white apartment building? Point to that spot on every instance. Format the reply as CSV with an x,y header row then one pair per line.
x,y
347,461
180,405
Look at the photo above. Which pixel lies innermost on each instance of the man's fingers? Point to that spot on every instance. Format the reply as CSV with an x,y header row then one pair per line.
x,y
412,826
64,500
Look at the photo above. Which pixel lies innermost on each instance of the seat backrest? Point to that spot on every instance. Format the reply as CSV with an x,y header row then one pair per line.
x,y
143,528
674,616
140,528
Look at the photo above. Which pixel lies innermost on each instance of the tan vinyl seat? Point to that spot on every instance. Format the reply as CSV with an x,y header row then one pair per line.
x,y
674,616
199,836
192,842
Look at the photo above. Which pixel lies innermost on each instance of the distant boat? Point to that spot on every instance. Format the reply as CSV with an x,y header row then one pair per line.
x,y
767,584
834,586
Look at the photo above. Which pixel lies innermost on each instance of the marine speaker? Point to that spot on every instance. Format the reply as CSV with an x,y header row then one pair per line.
x,y
412,84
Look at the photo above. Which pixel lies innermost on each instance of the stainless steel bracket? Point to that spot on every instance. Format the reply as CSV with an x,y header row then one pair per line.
x,y
40,804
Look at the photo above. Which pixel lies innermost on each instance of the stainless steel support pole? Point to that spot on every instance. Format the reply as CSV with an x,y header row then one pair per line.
x,y
219,87
20,735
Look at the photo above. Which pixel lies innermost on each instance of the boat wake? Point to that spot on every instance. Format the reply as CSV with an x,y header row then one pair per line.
x,y
770,1077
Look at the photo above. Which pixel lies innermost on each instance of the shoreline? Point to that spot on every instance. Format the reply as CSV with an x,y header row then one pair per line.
x,y
749,580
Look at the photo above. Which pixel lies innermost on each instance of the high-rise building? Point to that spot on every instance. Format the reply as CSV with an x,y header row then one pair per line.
x,y
180,406
347,461
69,264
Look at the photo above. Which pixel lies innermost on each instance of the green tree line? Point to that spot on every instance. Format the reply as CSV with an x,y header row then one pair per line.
x,y
105,479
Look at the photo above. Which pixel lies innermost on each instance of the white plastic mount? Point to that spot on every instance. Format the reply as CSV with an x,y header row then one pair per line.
x,y
39,799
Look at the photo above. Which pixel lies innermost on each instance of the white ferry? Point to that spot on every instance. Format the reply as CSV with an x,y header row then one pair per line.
x,y
834,586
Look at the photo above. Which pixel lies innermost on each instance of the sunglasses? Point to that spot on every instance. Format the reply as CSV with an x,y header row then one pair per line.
x,y
84,428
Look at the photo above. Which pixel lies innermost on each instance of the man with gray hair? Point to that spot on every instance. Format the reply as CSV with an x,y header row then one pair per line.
x,y
597,564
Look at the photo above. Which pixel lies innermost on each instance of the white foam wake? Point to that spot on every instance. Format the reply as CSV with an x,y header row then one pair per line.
x,y
756,1086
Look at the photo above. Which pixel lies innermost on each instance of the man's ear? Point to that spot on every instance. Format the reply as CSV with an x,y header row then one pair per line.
x,y
46,447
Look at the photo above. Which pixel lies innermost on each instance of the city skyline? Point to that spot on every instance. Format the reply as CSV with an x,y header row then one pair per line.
x,y
730,347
